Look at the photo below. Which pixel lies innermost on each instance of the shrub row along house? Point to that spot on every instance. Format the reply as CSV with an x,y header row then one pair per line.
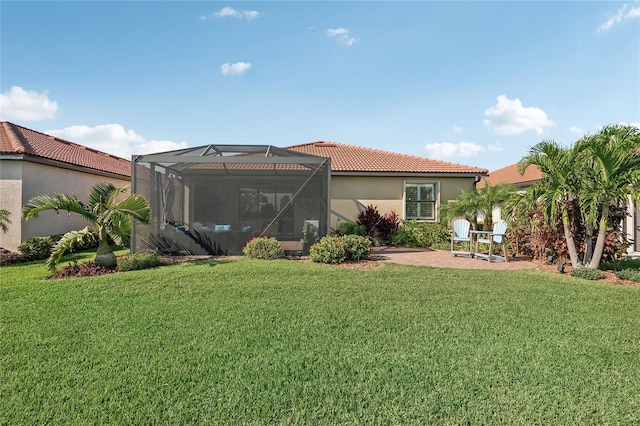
x,y
213,198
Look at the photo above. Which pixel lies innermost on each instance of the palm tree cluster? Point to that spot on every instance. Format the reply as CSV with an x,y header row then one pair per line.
x,y
583,185
596,174
111,219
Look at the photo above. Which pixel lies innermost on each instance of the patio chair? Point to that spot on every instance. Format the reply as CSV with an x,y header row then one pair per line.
x,y
460,235
496,236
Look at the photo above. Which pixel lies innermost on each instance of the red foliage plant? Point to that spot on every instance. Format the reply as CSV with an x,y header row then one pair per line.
x,y
88,269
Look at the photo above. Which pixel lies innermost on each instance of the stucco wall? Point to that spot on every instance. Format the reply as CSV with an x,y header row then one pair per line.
x,y
352,194
23,180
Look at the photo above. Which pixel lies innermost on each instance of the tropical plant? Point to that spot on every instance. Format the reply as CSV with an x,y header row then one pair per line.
x,y
369,218
557,190
612,172
480,202
110,219
4,220
466,206
388,224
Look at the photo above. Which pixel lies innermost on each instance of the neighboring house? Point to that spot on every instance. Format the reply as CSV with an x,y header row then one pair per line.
x,y
510,174
34,163
414,187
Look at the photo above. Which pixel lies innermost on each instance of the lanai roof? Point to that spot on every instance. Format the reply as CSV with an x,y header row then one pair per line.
x,y
356,159
15,139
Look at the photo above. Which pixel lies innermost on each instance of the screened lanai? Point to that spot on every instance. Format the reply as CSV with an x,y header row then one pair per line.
x,y
213,199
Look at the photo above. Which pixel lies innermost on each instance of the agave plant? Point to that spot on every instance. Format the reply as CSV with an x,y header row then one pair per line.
x,y
110,219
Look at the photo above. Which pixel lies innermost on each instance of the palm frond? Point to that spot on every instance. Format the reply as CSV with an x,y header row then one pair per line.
x,y
65,244
135,206
56,202
4,220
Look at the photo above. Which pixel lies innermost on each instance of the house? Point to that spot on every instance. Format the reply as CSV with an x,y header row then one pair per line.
x,y
511,175
218,196
34,163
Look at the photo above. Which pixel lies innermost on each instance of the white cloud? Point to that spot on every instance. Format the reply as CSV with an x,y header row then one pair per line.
x,y
114,139
26,105
576,129
625,12
497,147
457,128
509,117
235,69
447,150
341,35
228,12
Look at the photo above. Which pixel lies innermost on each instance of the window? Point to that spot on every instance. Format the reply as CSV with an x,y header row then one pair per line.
x,y
420,201
264,204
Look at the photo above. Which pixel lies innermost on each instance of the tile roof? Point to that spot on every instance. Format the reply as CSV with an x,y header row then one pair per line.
x,y
350,158
511,175
16,139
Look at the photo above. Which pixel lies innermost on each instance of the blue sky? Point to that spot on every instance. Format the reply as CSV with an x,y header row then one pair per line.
x,y
476,83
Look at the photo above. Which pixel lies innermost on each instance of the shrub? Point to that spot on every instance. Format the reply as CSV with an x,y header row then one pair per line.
x,y
10,258
139,261
358,247
369,218
263,248
409,234
329,249
37,248
436,233
345,248
420,234
87,269
629,274
587,273
387,225
351,228
618,265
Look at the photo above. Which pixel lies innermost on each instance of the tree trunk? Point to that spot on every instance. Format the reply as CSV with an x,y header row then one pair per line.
x,y
105,256
588,251
568,236
602,235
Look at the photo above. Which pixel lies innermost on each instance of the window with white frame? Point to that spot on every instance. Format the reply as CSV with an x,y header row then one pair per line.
x,y
420,201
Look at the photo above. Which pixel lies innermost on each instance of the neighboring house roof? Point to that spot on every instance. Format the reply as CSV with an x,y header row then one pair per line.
x,y
355,159
15,139
510,174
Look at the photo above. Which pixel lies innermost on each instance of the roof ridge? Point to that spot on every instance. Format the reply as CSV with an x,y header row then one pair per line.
x,y
13,137
57,139
382,151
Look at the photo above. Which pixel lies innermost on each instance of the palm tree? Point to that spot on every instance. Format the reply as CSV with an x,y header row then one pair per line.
x,y
490,197
559,187
471,204
4,220
612,158
466,205
110,219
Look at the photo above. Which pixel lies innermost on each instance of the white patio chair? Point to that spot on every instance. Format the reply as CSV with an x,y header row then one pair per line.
x,y
496,236
460,236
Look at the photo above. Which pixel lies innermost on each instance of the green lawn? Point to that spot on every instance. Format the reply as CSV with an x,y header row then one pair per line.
x,y
275,342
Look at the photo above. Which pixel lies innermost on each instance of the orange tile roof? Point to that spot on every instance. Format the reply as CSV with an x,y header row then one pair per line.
x,y
511,175
350,158
16,139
